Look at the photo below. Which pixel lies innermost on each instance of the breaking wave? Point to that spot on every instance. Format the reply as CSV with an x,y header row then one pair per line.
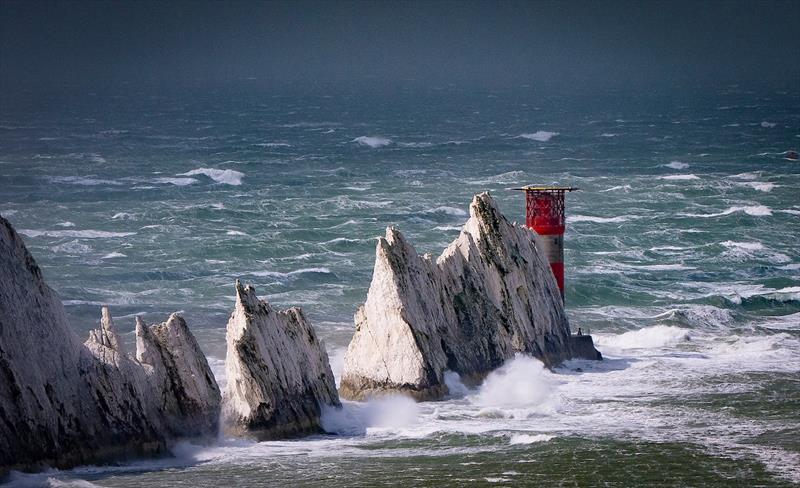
x,y
86,234
646,338
540,135
224,176
600,220
372,141
677,165
754,210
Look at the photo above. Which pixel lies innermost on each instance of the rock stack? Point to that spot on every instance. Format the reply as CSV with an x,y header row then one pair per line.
x,y
278,374
490,295
64,403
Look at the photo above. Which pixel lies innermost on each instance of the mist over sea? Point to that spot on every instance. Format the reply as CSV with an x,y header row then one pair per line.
x,y
682,259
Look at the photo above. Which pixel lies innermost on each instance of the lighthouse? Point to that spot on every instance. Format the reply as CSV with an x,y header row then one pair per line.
x,y
544,214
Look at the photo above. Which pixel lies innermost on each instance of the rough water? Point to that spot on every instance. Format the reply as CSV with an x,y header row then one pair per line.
x,y
682,260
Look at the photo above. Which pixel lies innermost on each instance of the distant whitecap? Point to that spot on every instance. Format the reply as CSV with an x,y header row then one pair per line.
x,y
372,141
540,135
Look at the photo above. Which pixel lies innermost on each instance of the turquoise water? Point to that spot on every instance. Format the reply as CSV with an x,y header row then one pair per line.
x,y
681,260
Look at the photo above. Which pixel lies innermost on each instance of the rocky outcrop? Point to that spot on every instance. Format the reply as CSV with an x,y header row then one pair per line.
x,y
64,403
278,374
490,294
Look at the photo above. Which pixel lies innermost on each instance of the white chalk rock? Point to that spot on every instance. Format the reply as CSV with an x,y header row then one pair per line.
x,y
278,374
490,294
187,395
64,403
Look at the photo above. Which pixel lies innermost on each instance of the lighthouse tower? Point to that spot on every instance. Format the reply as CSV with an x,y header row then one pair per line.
x,y
544,213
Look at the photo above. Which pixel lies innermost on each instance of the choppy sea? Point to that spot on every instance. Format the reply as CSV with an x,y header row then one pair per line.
x,y
682,260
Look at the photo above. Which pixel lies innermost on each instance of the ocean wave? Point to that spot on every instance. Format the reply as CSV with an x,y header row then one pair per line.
x,y
680,177
522,387
273,144
760,185
73,247
447,227
113,255
372,141
517,439
449,211
86,234
767,125
656,267
600,220
741,251
753,175
416,145
608,134
622,188
754,210
278,274
225,176
655,336
677,165
83,180
503,178
235,233
539,135
176,181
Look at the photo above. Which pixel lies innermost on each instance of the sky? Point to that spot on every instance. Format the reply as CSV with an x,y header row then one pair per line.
x,y
468,42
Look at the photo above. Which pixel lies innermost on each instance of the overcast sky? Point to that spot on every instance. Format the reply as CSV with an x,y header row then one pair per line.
x,y
458,42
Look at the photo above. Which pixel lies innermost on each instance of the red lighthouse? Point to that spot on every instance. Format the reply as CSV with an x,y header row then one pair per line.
x,y
544,213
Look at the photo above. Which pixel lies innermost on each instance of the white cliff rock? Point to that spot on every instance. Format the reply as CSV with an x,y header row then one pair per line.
x,y
64,403
278,374
490,294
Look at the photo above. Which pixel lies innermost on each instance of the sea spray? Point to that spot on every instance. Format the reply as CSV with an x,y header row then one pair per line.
x,y
389,413
521,388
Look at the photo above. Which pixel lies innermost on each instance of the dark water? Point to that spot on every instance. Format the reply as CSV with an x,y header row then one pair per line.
x,y
682,260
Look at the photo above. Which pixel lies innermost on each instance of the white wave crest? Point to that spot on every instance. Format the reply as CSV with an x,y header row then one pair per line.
x,y
278,274
517,439
87,234
225,176
622,188
540,135
680,177
646,338
113,255
754,210
175,181
503,178
372,141
677,165
83,180
766,187
768,125
449,211
600,220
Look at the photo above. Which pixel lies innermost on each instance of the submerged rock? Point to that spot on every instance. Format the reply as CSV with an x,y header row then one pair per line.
x,y
278,374
64,403
490,294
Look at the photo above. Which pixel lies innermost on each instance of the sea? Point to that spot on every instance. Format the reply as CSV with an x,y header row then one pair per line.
x,y
682,261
